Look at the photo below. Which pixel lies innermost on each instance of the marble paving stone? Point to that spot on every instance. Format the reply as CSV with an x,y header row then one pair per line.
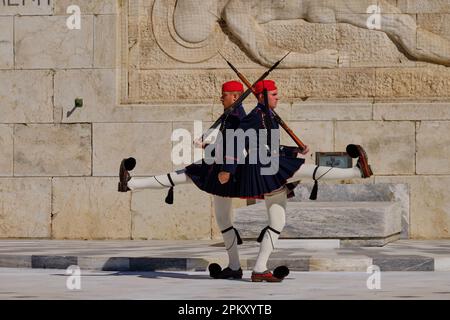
x,y
53,262
105,264
155,264
403,263
349,264
15,261
442,263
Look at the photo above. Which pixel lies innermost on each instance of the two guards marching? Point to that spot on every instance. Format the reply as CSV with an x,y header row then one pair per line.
x,y
241,170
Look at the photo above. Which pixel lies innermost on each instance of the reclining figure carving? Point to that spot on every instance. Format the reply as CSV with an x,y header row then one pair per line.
x,y
194,22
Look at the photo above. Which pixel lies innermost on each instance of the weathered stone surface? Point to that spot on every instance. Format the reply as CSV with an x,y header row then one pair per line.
x,y
97,87
148,143
430,205
411,111
390,145
189,218
90,208
419,6
26,96
26,208
365,48
23,8
436,22
6,43
301,36
38,150
169,86
318,135
88,6
326,220
413,82
105,41
6,145
46,42
361,192
433,147
336,109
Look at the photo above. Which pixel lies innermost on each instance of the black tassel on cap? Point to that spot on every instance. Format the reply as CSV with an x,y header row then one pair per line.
x,y
313,195
169,198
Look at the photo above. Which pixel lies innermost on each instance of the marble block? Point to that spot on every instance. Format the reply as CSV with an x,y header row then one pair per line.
x,y
357,215
398,192
332,220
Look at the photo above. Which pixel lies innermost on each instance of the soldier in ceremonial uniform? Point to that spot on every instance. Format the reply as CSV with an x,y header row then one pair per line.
x,y
273,187
205,176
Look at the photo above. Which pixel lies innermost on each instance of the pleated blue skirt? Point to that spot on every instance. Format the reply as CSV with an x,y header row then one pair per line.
x,y
248,180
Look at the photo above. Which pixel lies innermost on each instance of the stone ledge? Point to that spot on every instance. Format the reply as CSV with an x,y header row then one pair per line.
x,y
362,221
134,255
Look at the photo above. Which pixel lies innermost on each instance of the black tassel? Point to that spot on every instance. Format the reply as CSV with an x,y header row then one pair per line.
x,y
261,235
169,198
239,240
313,195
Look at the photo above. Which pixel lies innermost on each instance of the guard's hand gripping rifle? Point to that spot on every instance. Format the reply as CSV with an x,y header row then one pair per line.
x,y
277,118
229,110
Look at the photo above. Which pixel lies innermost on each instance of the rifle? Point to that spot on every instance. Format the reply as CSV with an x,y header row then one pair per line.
x,y
229,110
277,118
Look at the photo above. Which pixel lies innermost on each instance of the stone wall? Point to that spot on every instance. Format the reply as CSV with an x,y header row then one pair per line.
x,y
59,173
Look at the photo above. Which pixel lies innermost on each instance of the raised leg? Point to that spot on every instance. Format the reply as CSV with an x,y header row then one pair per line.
x,y
306,171
159,182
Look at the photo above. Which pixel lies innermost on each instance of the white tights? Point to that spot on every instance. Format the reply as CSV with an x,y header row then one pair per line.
x,y
306,171
276,210
223,212
159,182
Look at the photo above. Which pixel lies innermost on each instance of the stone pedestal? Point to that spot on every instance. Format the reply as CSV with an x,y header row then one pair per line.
x,y
357,215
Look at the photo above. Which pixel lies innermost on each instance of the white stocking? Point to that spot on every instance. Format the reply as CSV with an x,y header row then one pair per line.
x,y
306,171
222,208
276,209
159,182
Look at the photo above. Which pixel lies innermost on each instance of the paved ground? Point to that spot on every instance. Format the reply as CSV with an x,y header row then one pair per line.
x,y
52,284
298,255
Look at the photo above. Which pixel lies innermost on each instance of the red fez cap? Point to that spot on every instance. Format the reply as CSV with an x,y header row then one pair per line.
x,y
265,84
232,86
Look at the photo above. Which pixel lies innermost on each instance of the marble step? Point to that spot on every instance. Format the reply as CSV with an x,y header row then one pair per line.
x,y
354,223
